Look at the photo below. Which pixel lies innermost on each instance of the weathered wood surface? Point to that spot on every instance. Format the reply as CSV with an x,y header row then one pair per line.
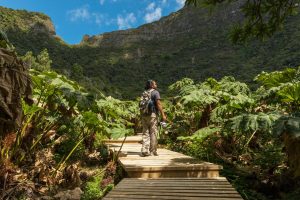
x,y
170,175
166,164
174,188
130,139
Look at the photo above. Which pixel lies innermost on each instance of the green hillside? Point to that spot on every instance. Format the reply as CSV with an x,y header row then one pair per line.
x,y
189,43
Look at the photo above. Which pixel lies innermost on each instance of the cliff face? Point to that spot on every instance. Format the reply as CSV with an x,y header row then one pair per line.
x,y
188,20
189,43
25,21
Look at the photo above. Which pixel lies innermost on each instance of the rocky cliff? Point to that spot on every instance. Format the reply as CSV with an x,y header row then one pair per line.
x,y
23,20
188,20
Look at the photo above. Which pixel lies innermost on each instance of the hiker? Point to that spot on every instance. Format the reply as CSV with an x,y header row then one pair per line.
x,y
150,106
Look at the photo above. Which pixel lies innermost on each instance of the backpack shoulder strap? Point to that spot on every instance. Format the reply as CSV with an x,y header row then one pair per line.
x,y
151,90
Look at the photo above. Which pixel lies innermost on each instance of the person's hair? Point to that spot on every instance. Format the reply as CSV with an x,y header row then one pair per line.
x,y
148,84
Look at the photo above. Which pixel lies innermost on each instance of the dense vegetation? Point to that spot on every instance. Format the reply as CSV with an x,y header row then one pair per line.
x,y
252,131
202,51
61,132
254,134
262,18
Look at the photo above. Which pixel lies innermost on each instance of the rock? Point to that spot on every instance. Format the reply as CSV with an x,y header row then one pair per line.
x,y
46,198
69,194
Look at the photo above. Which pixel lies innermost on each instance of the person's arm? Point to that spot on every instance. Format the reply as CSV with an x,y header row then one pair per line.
x,y
160,108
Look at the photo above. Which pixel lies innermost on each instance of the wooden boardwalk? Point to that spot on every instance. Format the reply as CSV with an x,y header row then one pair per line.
x,y
174,188
170,175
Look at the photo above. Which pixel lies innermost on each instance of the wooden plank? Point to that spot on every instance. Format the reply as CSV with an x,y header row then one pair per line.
x,y
164,165
129,139
169,167
167,198
185,191
177,185
174,188
175,194
175,173
153,180
169,176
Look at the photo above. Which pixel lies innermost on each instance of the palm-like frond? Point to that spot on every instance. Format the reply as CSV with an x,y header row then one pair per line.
x,y
199,98
200,134
253,122
289,124
275,79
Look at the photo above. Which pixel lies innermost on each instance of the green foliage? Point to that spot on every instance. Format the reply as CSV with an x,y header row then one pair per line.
x,y
181,84
280,87
201,134
253,122
92,189
199,98
288,124
276,78
201,52
41,63
290,94
262,18
242,128
76,117
77,72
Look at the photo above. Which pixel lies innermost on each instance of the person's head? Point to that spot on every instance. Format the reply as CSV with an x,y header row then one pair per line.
x,y
150,84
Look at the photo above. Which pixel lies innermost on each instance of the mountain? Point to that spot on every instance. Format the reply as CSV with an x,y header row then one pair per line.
x,y
191,43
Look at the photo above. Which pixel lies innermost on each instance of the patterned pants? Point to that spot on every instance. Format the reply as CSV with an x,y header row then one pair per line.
x,y
150,130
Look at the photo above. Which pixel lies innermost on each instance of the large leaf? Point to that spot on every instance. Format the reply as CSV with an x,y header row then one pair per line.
x,y
288,124
200,134
199,98
118,132
274,79
290,93
253,122
180,84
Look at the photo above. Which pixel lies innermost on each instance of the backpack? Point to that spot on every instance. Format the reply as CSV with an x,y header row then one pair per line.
x,y
146,104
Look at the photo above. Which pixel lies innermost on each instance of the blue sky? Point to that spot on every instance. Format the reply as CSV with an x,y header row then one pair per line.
x,y
74,18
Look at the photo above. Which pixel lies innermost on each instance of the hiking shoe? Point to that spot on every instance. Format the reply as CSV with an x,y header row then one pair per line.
x,y
144,154
154,153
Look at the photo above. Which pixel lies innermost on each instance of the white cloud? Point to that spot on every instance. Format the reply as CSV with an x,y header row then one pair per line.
x,y
79,14
101,2
180,3
163,2
98,18
153,16
151,6
84,14
127,21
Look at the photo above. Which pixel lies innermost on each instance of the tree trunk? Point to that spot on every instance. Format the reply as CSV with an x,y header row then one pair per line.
x,y
205,116
292,145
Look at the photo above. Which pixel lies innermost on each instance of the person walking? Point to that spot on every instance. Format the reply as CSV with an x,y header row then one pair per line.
x,y
150,106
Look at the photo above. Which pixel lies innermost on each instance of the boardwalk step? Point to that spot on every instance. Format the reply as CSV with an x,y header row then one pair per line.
x,y
167,164
177,188
170,175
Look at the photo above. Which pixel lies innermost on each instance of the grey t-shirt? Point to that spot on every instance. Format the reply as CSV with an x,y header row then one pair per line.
x,y
155,96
